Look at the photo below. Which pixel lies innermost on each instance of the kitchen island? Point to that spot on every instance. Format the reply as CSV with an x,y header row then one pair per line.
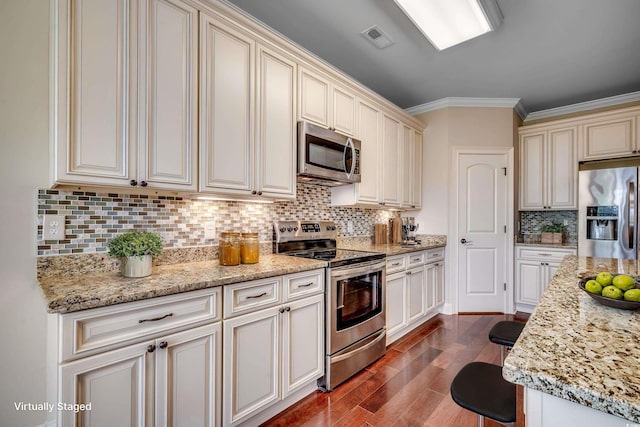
x,y
579,361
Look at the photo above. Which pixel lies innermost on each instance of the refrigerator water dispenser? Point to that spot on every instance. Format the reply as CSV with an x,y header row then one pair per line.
x,y
602,222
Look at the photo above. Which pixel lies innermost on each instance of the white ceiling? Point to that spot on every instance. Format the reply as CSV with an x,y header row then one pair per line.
x,y
547,53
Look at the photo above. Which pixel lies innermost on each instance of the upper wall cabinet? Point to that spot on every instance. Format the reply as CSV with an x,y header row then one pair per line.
x,y
125,94
411,168
613,135
548,168
247,114
326,103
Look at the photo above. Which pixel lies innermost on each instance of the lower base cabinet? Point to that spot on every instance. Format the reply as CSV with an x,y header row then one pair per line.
x,y
170,381
415,290
535,267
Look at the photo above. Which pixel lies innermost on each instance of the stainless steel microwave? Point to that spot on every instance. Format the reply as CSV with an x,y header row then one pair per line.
x,y
328,156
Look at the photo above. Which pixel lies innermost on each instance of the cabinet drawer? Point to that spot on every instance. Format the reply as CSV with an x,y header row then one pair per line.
x,y
302,284
108,327
416,258
434,255
249,296
395,264
537,253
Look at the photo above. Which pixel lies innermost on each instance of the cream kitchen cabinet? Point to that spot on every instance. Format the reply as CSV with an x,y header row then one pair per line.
x,y
244,150
548,168
411,169
391,156
414,290
271,352
535,267
326,103
155,362
125,88
611,135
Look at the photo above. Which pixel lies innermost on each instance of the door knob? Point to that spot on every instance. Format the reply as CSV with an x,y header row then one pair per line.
x,y
465,241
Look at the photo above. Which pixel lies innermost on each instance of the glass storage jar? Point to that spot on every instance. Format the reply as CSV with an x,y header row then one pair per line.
x,y
229,249
249,248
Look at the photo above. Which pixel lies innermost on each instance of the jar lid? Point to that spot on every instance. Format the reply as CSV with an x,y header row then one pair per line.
x,y
229,234
249,234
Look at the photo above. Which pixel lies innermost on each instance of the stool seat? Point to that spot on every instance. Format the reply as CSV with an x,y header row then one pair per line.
x,y
505,332
480,388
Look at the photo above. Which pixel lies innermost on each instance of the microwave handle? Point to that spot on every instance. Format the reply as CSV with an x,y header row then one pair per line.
x,y
349,146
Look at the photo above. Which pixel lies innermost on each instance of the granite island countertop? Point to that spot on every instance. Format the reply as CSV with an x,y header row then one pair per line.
x,y
570,343
68,293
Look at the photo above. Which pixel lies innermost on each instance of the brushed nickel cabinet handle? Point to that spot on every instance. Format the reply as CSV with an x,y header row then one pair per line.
x,y
257,296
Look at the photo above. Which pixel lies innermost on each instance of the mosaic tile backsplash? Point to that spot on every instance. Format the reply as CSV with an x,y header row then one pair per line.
x,y
530,222
92,219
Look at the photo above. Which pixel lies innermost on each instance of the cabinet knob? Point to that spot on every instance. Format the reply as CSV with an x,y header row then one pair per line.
x,y
151,348
163,344
143,184
133,182
281,310
254,192
287,308
259,193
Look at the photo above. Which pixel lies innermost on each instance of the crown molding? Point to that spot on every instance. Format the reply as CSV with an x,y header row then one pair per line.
x,y
469,102
584,106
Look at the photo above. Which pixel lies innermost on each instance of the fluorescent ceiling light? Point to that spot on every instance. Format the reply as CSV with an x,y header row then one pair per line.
x,y
446,23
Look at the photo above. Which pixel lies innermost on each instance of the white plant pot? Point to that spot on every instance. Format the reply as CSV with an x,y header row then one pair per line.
x,y
135,266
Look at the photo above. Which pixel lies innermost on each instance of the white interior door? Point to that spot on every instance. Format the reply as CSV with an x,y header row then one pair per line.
x,y
482,232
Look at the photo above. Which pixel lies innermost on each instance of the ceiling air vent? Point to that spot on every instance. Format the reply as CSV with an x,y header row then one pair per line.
x,y
378,37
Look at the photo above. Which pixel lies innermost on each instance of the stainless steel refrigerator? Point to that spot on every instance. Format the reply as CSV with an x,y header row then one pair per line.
x,y
607,219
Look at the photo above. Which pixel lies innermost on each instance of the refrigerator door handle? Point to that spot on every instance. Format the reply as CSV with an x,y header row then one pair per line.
x,y
631,214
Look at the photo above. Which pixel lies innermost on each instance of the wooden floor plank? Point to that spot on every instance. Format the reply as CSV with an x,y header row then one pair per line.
x,y
409,386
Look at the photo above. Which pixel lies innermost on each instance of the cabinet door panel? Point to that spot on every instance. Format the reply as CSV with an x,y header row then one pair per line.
x,y
168,150
369,135
344,112
188,377
251,364
115,383
314,98
407,169
563,176
416,183
530,276
417,290
96,126
276,133
396,303
532,172
431,271
303,343
390,161
226,74
611,138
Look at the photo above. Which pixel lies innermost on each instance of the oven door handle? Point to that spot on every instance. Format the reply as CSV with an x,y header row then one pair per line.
x,y
340,296
358,269
382,334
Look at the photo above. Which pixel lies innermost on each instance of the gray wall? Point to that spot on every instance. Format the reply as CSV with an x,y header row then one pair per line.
x,y
24,52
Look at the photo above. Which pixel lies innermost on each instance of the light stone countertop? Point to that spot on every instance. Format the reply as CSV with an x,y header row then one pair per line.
x,y
576,349
68,293
428,241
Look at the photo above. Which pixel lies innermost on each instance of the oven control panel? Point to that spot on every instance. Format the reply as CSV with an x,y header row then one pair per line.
x,y
287,231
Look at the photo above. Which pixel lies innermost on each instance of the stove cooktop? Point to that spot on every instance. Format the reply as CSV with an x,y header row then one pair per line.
x,y
338,257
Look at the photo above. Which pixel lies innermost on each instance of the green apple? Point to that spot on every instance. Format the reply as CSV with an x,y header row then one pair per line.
x,y
632,295
604,278
612,292
624,282
593,287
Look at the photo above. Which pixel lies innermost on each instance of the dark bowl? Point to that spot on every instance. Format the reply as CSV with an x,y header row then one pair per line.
x,y
610,302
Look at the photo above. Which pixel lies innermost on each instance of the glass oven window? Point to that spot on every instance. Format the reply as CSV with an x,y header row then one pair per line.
x,y
359,299
326,154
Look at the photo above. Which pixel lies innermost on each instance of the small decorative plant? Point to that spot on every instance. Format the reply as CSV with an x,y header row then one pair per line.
x,y
136,248
135,243
552,233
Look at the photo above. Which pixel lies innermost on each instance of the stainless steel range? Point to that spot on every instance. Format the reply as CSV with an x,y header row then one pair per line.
x,y
355,333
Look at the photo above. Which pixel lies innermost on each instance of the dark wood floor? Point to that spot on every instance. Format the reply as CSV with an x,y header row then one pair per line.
x,y
409,386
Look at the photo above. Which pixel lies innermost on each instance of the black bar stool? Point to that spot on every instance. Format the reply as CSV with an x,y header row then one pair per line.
x,y
505,333
480,388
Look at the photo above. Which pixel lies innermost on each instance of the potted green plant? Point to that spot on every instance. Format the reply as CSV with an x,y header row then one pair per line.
x,y
136,250
552,233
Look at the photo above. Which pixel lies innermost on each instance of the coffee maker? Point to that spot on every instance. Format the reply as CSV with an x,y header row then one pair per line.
x,y
409,228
